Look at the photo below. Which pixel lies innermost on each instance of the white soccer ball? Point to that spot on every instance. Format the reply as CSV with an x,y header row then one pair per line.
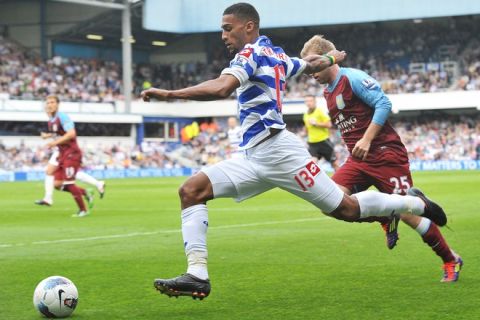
x,y
55,297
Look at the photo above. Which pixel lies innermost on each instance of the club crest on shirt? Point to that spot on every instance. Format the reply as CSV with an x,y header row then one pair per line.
x,y
54,127
340,102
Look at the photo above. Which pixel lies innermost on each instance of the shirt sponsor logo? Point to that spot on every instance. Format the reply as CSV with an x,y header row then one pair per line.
x,y
269,52
345,124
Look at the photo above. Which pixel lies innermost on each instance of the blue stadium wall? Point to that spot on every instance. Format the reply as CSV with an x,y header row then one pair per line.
x,y
75,50
441,165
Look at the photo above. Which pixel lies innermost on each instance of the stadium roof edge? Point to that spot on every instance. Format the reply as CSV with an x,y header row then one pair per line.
x,y
191,16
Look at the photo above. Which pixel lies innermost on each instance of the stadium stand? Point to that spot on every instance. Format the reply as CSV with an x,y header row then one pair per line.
x,y
428,137
436,55
410,58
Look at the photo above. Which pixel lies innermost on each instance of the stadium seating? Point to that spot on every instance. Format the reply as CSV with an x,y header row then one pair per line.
x,y
426,138
405,59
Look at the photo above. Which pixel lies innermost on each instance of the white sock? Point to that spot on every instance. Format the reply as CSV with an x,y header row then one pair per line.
x,y
380,204
423,226
86,178
194,231
197,264
49,180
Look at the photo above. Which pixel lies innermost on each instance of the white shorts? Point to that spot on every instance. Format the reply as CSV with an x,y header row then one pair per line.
x,y
282,161
54,158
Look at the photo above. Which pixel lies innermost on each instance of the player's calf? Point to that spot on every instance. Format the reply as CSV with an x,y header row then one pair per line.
x,y
348,210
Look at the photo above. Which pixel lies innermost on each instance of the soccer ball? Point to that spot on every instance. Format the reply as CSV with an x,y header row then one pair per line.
x,y
55,297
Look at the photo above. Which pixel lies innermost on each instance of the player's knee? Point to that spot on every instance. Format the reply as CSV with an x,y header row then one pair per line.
x,y
184,192
58,184
196,190
190,194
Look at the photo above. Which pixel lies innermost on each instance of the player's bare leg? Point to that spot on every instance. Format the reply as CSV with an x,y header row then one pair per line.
x,y
194,194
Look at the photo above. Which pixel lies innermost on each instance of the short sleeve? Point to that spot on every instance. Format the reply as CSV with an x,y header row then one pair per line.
x,y
369,91
66,122
243,66
295,67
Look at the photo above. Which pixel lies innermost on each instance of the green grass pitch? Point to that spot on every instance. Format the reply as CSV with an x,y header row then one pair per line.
x,y
271,257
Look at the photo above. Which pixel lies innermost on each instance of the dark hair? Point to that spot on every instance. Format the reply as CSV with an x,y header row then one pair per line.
x,y
244,11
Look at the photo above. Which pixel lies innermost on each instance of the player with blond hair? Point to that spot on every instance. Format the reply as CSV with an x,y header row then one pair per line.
x,y
360,109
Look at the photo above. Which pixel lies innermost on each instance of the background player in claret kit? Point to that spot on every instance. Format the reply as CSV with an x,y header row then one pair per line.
x,y
52,166
273,156
359,108
70,156
317,123
234,134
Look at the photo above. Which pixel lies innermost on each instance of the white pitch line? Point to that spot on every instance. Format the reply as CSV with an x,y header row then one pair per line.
x,y
137,234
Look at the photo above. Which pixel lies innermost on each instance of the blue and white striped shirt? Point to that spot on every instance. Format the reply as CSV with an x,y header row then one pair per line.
x,y
262,70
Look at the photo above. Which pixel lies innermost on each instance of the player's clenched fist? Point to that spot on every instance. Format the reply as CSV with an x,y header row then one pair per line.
x,y
158,94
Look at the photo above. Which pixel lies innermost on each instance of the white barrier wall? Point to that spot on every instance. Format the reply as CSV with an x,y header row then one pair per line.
x,y
401,102
18,110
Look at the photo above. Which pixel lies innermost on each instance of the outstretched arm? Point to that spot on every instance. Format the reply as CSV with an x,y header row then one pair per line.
x,y
216,89
317,63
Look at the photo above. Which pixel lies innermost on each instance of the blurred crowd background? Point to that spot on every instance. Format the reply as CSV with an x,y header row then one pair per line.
x,y
431,56
408,59
426,138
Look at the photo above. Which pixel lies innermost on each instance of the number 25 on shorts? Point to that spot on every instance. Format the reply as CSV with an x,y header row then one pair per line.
x,y
305,177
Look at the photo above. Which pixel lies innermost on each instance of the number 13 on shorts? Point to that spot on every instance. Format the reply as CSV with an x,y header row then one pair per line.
x,y
305,176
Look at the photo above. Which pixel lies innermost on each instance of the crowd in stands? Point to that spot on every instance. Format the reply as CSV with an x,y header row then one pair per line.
x,y
99,156
440,138
389,54
24,75
405,58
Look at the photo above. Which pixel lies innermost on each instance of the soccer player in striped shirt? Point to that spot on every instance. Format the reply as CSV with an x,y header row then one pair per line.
x,y
272,156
